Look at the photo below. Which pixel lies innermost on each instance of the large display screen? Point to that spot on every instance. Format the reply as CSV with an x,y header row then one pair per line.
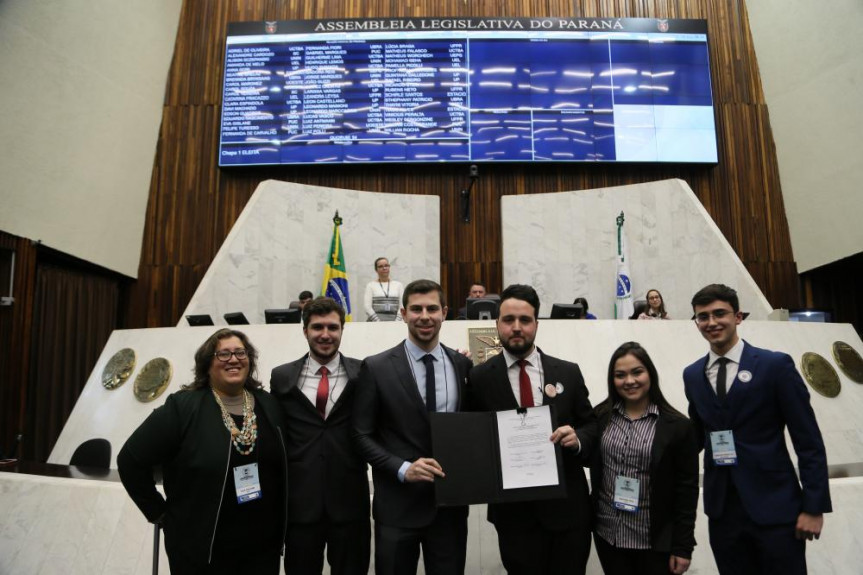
x,y
467,90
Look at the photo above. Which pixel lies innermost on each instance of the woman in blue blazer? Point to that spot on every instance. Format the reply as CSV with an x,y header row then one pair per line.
x,y
644,477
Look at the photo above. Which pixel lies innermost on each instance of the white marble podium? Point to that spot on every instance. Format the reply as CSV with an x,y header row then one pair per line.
x,y
114,414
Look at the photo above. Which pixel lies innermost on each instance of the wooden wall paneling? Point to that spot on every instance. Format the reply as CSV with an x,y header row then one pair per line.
x,y
194,204
15,330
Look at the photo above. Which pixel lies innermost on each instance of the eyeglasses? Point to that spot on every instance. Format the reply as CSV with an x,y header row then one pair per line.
x,y
225,355
718,315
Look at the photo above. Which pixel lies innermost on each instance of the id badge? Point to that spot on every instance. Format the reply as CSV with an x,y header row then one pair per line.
x,y
722,445
247,483
625,493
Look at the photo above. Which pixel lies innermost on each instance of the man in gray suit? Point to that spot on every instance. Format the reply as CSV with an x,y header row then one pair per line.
x,y
328,494
396,391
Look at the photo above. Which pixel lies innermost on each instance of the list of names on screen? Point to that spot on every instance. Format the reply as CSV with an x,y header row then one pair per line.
x,y
467,90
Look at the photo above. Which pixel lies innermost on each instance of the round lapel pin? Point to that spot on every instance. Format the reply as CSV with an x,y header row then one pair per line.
x,y
744,376
550,390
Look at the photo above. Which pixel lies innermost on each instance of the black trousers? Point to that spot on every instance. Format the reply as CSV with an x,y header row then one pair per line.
x,y
444,546
617,561
264,563
741,547
532,550
348,547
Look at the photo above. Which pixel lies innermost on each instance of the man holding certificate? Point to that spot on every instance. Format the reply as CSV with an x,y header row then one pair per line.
x,y
397,392
550,536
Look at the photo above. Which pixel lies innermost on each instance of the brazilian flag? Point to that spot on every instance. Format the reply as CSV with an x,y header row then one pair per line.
x,y
335,275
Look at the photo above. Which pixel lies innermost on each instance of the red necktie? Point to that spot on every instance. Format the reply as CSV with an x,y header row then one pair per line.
x,y
323,392
524,390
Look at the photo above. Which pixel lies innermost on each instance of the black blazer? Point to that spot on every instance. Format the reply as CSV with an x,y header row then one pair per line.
x,y
187,437
489,390
328,476
673,481
391,426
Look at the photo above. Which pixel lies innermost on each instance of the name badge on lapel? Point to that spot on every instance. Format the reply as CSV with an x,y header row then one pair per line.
x,y
722,445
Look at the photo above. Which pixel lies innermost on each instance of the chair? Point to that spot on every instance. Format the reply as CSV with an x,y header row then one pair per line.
x,y
640,306
93,453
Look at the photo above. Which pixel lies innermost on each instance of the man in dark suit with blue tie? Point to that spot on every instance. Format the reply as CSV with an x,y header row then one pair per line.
x,y
396,390
741,400
328,493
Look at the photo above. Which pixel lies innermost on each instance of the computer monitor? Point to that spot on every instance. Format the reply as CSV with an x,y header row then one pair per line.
x,y
282,315
567,311
199,319
236,318
483,307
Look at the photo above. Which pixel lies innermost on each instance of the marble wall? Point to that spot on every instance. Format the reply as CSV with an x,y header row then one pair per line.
x,y
280,243
565,245
114,414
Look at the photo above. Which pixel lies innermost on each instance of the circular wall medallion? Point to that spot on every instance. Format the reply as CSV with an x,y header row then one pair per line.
x,y
119,368
848,360
153,379
820,374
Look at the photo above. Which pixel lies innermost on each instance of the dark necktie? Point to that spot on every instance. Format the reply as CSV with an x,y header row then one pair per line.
x,y
431,398
323,392
524,390
721,378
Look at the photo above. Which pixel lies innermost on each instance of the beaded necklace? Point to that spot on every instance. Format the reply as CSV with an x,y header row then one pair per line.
x,y
245,437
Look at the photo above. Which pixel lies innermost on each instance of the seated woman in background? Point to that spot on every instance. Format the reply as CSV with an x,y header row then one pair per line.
x,y
655,306
583,302
220,443
644,477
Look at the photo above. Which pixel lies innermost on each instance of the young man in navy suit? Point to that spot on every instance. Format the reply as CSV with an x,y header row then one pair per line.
x,y
396,391
741,400
328,492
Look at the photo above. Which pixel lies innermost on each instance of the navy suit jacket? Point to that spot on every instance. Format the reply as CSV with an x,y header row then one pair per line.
x,y
328,476
757,412
490,390
391,426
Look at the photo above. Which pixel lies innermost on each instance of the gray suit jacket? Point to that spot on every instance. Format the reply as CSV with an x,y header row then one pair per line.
x,y
391,426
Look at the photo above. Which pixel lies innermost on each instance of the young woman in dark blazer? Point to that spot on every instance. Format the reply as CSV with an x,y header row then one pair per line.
x,y
644,477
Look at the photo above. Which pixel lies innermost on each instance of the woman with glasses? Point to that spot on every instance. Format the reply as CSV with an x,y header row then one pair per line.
x,y
382,300
221,446
644,477
655,306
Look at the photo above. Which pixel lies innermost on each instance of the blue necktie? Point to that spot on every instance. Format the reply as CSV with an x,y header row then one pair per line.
x,y
431,400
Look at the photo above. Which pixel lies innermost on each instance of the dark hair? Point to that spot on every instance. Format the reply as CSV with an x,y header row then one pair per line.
x,y
480,284
582,301
634,349
662,312
524,293
322,306
306,294
422,286
714,292
204,359
379,259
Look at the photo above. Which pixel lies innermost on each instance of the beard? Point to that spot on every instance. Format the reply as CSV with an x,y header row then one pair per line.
x,y
519,348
